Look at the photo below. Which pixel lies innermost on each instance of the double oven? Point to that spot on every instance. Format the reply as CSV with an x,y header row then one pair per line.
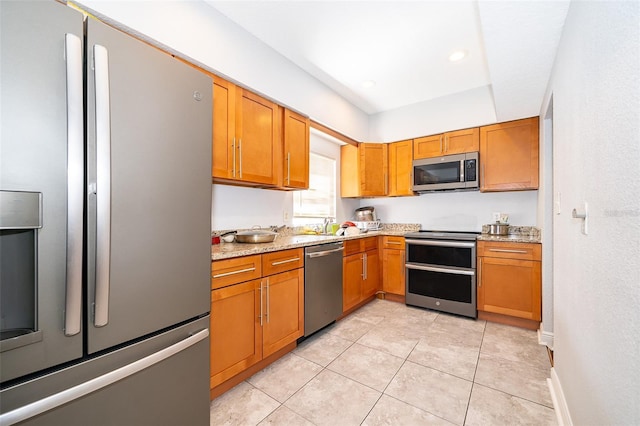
x,y
441,271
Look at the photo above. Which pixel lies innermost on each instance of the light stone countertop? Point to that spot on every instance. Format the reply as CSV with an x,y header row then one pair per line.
x,y
517,234
285,242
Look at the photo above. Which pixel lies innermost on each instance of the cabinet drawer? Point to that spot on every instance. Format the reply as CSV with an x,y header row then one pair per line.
x,y
281,261
360,245
370,243
351,247
392,242
236,270
524,251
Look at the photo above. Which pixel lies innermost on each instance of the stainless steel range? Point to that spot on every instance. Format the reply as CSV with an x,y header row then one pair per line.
x,y
441,271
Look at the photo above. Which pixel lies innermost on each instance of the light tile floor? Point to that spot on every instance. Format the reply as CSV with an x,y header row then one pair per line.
x,y
390,364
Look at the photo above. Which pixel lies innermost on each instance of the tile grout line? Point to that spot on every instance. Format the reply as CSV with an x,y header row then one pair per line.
x,y
416,333
475,371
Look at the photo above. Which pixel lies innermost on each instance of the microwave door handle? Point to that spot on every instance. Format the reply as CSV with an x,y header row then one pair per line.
x,y
103,184
75,184
461,170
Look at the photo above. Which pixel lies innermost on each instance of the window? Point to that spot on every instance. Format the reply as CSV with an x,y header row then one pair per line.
x,y
319,201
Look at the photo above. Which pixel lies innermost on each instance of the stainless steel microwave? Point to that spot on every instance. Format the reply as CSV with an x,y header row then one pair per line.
x,y
457,172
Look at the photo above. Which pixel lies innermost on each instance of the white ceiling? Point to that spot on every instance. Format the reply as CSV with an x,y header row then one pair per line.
x,y
404,47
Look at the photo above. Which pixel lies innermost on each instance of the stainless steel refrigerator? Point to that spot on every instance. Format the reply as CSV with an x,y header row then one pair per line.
x,y
105,211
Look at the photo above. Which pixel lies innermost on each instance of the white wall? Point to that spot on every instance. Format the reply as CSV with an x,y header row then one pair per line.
x,y
465,109
545,220
197,31
596,112
456,211
238,207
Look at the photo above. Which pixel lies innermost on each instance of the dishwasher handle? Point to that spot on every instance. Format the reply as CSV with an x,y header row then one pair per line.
x,y
324,253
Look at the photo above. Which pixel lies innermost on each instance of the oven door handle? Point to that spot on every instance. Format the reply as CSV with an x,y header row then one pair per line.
x,y
438,243
437,269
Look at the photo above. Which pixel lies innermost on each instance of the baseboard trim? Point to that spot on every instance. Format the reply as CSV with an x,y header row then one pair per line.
x,y
559,401
545,338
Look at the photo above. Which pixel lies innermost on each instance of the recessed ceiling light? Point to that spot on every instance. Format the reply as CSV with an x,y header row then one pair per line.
x,y
368,83
457,55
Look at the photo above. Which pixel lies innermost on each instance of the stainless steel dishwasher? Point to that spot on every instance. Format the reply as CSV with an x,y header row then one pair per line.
x,y
322,286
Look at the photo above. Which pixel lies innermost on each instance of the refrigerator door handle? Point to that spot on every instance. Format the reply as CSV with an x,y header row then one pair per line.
x,y
103,184
83,389
75,183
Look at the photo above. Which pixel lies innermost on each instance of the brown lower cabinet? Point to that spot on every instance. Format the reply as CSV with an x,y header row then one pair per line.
x,y
509,282
361,271
253,319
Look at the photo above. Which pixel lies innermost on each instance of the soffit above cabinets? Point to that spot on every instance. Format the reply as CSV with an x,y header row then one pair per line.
x,y
404,47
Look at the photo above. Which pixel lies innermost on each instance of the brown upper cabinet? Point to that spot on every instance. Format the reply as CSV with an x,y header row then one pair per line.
x,y
246,136
363,170
295,150
400,168
448,143
509,156
256,142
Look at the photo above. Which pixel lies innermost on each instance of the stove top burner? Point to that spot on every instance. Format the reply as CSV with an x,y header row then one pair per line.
x,y
443,235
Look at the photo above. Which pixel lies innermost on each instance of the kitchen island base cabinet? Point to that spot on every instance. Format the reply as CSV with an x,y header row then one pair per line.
x,y
509,282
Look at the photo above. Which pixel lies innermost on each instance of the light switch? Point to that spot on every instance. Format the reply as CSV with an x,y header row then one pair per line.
x,y
583,215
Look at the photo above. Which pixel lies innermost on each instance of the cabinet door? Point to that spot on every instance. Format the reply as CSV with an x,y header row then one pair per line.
x,y
235,331
400,168
461,141
351,280
428,146
284,310
258,139
371,280
509,156
393,271
509,287
296,150
373,169
349,171
224,117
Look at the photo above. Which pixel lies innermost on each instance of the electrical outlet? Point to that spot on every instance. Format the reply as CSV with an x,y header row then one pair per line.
x,y
285,215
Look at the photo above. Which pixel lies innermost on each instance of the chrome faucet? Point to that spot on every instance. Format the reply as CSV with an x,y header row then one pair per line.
x,y
325,223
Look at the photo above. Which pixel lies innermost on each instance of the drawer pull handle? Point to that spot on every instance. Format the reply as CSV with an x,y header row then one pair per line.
x,y
394,242
281,262
239,271
509,251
